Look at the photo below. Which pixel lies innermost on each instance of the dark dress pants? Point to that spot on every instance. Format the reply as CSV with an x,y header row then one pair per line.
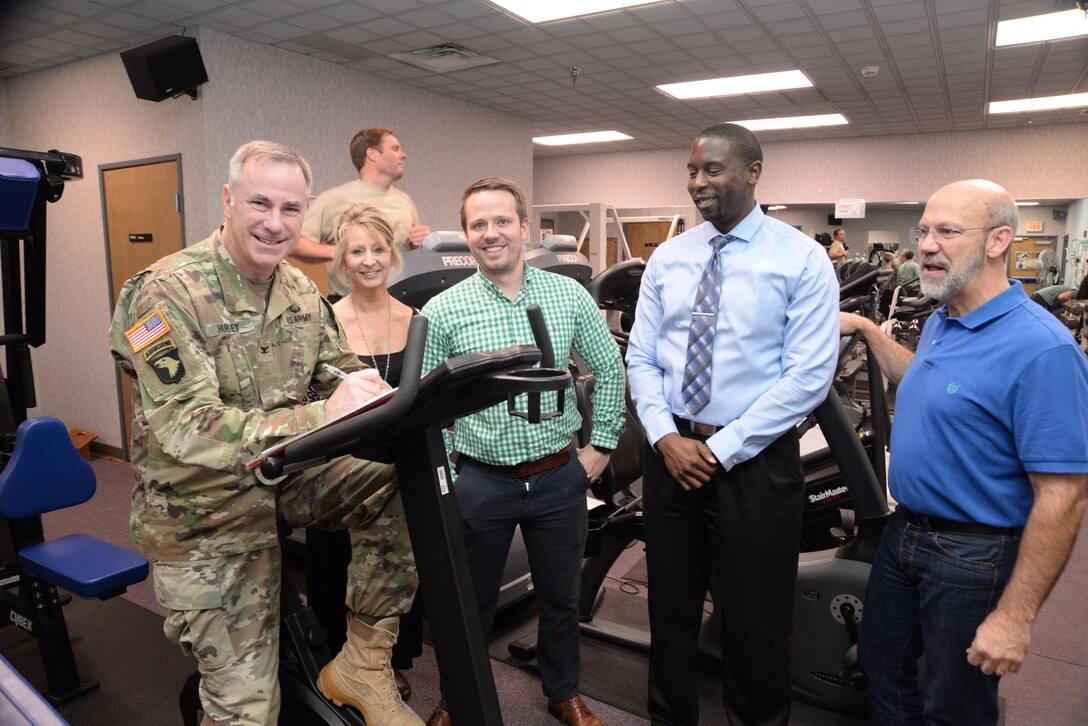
x,y
550,508
746,524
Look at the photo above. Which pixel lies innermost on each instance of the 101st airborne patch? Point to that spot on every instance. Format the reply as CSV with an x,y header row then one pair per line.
x,y
164,359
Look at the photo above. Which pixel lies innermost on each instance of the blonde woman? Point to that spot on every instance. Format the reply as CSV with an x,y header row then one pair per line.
x,y
376,327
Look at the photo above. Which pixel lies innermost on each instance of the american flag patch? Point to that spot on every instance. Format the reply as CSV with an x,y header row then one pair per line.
x,y
147,331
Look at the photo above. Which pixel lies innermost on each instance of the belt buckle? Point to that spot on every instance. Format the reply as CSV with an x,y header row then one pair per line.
x,y
703,429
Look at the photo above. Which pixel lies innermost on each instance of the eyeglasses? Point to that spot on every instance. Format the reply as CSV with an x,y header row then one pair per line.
x,y
944,234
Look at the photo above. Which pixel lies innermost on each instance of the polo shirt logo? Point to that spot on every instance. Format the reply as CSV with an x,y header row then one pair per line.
x,y
953,387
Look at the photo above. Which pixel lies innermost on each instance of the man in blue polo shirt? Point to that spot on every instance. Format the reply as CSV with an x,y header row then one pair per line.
x,y
991,482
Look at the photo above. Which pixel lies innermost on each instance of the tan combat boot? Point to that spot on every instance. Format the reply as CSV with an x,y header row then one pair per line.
x,y
361,675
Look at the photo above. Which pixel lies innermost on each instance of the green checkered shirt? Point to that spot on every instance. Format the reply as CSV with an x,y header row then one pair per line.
x,y
475,316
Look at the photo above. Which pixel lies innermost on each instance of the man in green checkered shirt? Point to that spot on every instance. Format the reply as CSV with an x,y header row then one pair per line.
x,y
511,472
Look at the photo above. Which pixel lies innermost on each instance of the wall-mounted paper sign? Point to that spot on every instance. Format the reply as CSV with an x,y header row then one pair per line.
x,y
1034,225
850,209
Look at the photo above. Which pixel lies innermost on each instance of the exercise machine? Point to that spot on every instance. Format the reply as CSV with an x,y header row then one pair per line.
x,y
559,253
442,260
42,471
407,431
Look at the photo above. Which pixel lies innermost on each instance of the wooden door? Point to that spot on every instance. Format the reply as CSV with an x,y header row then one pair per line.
x,y
1024,252
316,271
142,206
644,237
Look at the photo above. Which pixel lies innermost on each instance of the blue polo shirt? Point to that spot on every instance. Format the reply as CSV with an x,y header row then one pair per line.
x,y
989,397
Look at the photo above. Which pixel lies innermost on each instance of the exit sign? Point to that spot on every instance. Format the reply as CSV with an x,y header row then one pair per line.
x,y
1034,226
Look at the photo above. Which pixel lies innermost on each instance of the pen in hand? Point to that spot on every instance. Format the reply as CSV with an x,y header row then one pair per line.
x,y
335,371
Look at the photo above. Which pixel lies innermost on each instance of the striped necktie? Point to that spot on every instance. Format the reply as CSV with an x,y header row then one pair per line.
x,y
704,318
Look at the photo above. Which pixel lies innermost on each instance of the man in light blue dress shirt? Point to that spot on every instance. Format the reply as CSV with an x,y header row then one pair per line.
x,y
723,486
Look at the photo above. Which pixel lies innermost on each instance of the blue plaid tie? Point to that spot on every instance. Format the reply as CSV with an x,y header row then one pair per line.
x,y
704,318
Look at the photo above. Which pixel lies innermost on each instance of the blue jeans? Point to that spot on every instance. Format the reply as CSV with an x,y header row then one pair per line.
x,y
928,593
550,507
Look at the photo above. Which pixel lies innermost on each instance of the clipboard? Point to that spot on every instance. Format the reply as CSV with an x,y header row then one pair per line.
x,y
279,448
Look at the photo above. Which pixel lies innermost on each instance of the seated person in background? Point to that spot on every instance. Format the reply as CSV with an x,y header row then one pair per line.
x,y
909,271
376,328
837,251
226,349
888,287
1051,297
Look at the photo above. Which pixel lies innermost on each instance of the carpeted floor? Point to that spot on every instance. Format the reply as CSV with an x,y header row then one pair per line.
x,y
120,643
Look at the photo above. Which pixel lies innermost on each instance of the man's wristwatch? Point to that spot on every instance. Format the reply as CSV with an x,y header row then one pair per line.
x,y
602,450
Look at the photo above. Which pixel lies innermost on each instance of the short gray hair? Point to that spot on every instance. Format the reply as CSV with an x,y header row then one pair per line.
x,y
267,151
1003,213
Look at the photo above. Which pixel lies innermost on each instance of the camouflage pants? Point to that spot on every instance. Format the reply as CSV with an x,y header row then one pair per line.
x,y
225,611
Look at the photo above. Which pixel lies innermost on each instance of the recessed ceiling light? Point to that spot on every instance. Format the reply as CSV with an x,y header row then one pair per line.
x,y
1039,28
737,85
591,137
536,11
793,122
1027,204
1047,103
913,204
776,207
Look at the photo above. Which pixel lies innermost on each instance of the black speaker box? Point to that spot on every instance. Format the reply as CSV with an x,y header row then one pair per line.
x,y
834,221
165,68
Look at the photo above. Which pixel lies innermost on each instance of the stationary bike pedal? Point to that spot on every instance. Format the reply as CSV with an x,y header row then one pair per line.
x,y
522,650
316,636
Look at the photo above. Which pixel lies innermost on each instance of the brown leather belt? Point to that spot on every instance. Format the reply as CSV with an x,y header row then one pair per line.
x,y
526,468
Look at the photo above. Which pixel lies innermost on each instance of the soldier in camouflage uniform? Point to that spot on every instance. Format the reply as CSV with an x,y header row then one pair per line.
x,y
225,345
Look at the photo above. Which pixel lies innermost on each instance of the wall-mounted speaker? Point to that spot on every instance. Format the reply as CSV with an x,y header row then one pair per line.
x,y
165,68
1059,214
834,221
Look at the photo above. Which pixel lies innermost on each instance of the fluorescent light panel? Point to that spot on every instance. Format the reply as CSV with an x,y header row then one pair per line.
x,y
535,11
737,85
1027,204
1040,28
776,207
1047,103
793,122
591,137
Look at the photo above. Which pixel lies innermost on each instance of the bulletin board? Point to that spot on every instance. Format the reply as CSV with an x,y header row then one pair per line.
x,y
1023,254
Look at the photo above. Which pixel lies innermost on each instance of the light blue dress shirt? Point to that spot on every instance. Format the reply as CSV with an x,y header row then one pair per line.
x,y
775,345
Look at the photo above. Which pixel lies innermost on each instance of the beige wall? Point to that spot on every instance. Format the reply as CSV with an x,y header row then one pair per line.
x,y
88,108
317,107
5,132
1034,163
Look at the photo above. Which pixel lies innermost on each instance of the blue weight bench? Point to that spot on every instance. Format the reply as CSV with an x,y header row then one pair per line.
x,y
45,473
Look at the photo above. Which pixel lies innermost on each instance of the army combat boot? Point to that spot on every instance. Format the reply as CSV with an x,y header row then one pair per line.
x,y
361,675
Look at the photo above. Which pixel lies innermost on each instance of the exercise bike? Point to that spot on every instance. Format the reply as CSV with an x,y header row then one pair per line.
x,y
407,431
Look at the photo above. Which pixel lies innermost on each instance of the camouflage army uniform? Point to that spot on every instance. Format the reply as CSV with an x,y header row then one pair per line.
x,y
218,376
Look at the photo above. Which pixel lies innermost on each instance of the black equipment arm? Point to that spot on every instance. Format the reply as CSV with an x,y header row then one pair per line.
x,y
540,335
